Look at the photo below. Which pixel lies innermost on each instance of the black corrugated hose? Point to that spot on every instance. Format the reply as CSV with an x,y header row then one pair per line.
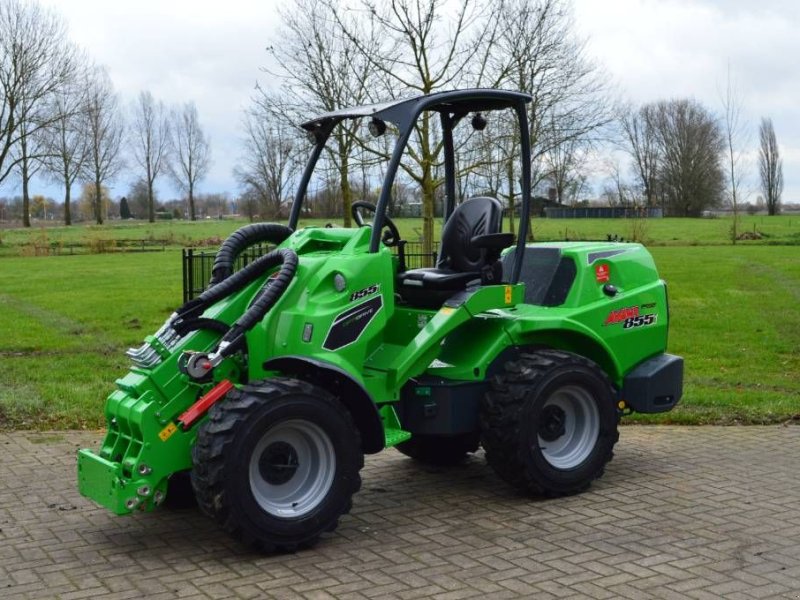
x,y
272,290
241,239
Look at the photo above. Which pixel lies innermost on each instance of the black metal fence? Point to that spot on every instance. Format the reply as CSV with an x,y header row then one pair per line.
x,y
416,257
197,263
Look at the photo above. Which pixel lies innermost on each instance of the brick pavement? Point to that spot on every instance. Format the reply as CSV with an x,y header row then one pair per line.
x,y
681,513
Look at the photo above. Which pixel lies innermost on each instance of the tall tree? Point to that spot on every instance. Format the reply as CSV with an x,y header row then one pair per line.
x,y
641,143
321,71
734,156
564,163
537,51
124,209
36,59
417,53
269,162
690,146
149,132
190,152
770,166
65,140
105,132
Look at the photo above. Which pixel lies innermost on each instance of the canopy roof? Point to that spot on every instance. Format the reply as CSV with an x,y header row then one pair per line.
x,y
402,112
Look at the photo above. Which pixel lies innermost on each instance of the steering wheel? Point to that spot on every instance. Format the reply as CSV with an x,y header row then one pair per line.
x,y
391,237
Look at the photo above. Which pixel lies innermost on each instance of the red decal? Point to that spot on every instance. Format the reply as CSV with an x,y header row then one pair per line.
x,y
602,273
618,316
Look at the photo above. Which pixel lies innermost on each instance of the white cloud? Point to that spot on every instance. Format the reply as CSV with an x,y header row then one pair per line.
x,y
657,49
213,53
209,53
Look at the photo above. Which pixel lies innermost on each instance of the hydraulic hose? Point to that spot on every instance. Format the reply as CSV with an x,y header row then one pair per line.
x,y
240,240
232,284
198,365
272,290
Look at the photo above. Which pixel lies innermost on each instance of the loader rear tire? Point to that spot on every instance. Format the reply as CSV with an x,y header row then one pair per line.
x,y
277,464
549,423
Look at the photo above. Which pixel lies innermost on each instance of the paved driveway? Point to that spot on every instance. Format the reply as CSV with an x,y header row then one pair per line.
x,y
681,513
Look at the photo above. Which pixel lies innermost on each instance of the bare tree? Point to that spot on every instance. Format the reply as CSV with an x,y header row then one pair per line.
x,y
734,157
416,53
564,163
618,192
248,203
65,140
191,153
770,166
320,71
105,130
641,143
537,51
269,162
690,146
36,59
149,134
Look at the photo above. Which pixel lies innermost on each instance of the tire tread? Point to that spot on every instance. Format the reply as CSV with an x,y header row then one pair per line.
x,y
217,434
501,417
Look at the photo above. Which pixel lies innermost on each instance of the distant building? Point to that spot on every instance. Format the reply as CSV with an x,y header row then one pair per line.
x,y
602,212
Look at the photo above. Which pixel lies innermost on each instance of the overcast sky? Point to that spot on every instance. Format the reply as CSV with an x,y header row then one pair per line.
x,y
212,53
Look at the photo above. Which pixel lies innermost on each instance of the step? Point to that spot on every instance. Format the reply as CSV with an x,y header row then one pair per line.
x,y
395,436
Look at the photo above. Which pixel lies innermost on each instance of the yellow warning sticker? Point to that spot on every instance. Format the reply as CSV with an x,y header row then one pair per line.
x,y
446,310
508,294
167,432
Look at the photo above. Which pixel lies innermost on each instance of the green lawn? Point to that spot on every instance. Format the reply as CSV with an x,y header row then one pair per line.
x,y
783,230
65,324
66,321
735,320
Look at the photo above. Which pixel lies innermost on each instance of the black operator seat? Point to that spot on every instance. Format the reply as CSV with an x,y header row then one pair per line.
x,y
470,249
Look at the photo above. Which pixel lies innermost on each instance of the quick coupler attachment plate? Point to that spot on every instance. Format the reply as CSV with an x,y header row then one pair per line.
x,y
101,480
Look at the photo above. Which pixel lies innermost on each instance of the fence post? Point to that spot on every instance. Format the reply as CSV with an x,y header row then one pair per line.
x,y
188,265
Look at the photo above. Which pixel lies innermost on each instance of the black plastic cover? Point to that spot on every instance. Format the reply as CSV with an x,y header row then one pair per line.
x,y
436,406
654,386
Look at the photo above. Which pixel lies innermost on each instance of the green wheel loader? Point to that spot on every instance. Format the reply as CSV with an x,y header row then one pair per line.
x,y
267,389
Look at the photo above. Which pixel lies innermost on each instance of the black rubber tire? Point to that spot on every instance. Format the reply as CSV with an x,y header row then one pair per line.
x,y
225,444
440,450
511,417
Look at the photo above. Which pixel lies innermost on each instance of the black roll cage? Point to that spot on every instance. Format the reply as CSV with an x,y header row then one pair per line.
x,y
452,106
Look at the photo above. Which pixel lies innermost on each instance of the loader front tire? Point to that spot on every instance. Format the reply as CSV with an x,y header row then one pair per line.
x,y
277,464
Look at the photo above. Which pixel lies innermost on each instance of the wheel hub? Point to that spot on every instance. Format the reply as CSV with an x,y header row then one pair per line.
x,y
569,427
278,463
292,468
553,423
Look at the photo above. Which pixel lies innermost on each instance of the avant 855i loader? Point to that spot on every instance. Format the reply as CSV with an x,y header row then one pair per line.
x,y
271,386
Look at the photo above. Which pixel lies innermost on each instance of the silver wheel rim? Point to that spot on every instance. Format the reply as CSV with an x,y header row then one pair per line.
x,y
569,427
292,468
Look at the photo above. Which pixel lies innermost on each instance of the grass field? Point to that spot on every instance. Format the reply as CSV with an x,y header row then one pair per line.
x,y
784,230
66,321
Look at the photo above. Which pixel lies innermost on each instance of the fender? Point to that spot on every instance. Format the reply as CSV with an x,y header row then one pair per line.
x,y
349,391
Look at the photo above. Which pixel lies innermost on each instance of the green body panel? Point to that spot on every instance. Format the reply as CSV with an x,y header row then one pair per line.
x,y
144,444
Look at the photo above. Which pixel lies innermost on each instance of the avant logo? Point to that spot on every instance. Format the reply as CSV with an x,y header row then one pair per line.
x,y
618,316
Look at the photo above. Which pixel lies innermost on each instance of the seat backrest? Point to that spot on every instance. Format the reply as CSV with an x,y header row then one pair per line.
x,y
476,216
